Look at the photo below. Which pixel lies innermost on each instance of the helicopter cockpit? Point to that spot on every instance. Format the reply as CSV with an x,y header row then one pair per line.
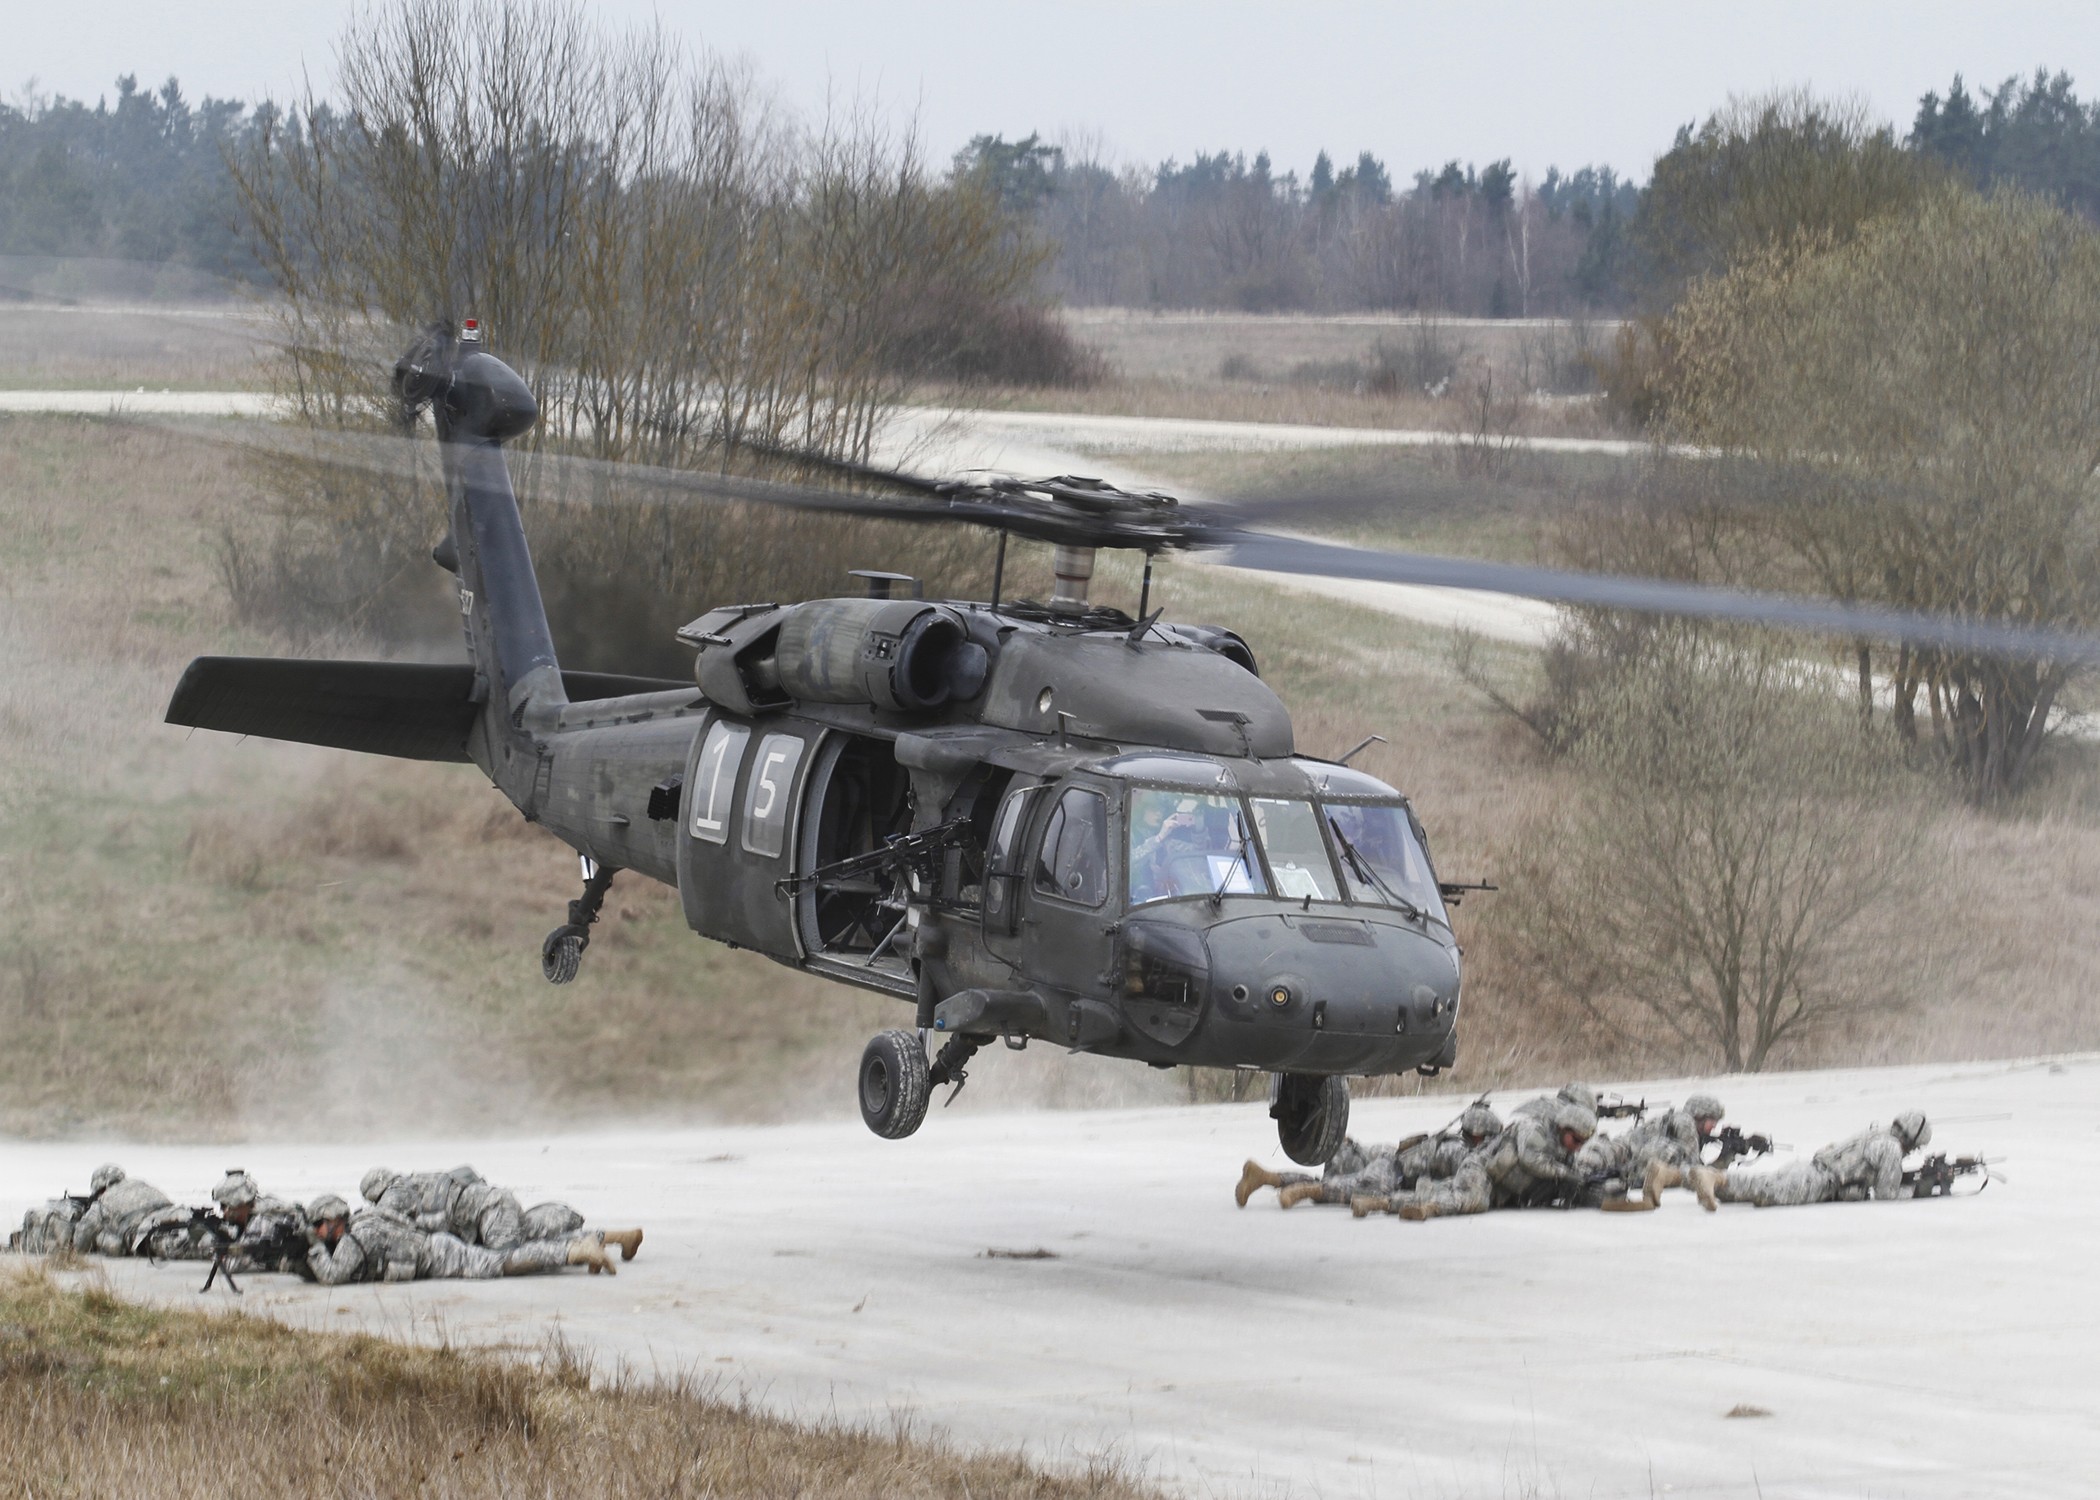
x,y
1335,835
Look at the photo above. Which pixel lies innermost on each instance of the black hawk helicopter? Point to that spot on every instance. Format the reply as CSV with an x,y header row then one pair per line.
x,y
1047,822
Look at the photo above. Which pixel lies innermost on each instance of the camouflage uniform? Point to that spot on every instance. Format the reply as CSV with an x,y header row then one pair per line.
x,y
1522,1165
1547,1106
1868,1165
381,1245
276,1237
464,1204
1357,1171
1672,1137
424,1199
111,1223
47,1229
488,1215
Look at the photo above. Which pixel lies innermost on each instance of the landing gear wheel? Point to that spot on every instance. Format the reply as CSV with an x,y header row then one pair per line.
x,y
894,1084
560,958
1312,1117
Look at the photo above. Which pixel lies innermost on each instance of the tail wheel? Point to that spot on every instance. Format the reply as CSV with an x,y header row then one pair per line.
x,y
1312,1117
560,958
894,1084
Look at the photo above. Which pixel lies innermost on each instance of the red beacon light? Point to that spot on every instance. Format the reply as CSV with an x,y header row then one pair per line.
x,y
470,331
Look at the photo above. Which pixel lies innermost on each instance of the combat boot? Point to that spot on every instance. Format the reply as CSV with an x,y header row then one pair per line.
x,y
1370,1203
1660,1175
1417,1212
1707,1182
589,1250
629,1241
1252,1176
1299,1192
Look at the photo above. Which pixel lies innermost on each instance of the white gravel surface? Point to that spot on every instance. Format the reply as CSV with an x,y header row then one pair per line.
x,y
1928,1349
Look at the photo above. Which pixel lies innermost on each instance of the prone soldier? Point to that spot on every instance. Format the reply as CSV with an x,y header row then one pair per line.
x,y
1531,1158
377,1244
1867,1165
109,1225
1357,1171
1664,1147
464,1204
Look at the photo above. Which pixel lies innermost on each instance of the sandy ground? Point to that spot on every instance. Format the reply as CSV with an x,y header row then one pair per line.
x,y
1929,1349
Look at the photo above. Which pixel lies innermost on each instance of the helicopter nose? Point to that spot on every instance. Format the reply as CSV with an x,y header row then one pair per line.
x,y
1356,978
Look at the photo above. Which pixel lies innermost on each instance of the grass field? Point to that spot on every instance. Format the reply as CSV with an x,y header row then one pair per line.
x,y
103,1397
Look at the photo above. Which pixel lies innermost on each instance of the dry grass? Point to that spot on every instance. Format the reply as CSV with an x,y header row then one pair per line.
x,y
1286,368
100,1397
123,348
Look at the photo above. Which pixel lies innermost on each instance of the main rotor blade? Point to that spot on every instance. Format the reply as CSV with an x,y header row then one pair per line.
x,y
1220,532
1267,553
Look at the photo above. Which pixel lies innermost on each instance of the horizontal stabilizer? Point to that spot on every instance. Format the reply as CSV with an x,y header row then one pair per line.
x,y
413,710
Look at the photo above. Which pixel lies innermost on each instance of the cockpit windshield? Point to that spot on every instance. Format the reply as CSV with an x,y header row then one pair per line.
x,y
1290,835
1382,860
1190,844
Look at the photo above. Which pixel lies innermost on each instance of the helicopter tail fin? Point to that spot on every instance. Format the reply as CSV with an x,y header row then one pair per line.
x,y
480,403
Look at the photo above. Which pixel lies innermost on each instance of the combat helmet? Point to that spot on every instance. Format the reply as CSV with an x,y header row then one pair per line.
x,y
1705,1107
1582,1096
1479,1123
373,1184
107,1176
1914,1130
1574,1117
327,1206
237,1189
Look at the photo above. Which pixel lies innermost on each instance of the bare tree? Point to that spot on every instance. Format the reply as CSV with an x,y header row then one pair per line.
x,y
684,276
1718,881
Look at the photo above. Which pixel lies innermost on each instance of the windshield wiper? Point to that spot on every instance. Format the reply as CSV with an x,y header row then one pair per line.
x,y
1367,873
1239,858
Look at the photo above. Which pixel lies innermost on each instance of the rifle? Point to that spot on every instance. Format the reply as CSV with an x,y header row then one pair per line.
x,y
1615,1108
282,1247
1934,1176
202,1224
1734,1144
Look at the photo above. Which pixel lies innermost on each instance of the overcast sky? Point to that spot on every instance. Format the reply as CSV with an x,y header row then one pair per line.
x,y
1546,84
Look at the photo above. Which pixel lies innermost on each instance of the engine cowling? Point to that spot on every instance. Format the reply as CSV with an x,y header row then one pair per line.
x,y
904,655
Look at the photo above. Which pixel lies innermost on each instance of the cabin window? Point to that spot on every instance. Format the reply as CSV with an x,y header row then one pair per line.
x,y
1298,862
1073,861
1189,844
714,780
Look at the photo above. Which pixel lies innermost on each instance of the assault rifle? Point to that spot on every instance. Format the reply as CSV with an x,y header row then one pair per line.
x,y
1735,1145
203,1224
1615,1108
281,1247
1934,1176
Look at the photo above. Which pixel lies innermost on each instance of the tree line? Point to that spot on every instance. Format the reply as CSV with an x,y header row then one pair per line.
x,y
1223,231
148,176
